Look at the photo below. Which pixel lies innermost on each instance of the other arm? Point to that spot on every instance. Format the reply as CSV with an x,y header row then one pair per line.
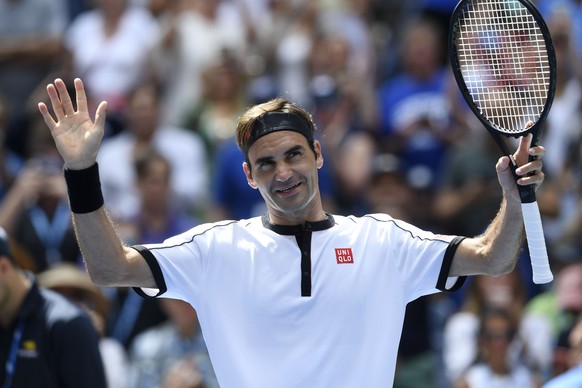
x,y
495,252
109,262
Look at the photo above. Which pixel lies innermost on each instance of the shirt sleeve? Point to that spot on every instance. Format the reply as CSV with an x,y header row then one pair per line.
x,y
179,264
423,259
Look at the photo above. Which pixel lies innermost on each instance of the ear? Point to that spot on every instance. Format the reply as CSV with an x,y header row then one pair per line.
x,y
318,154
249,176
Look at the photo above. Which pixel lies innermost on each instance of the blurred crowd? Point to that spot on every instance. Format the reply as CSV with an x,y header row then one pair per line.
x,y
397,138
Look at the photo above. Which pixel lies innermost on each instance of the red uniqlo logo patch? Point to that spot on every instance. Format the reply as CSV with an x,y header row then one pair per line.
x,y
344,256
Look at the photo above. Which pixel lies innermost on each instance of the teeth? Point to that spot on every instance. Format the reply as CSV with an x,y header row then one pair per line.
x,y
289,189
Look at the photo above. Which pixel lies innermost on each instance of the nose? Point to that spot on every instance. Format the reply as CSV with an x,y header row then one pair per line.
x,y
283,172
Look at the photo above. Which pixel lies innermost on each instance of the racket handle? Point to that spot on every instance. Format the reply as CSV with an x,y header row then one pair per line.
x,y
536,243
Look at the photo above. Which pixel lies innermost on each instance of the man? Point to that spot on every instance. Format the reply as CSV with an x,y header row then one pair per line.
x,y
156,351
144,132
573,377
31,43
298,297
45,340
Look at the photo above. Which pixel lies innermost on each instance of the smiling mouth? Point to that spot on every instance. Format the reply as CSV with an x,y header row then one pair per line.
x,y
289,189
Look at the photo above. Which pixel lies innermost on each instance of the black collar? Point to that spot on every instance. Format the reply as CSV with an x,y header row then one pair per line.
x,y
292,230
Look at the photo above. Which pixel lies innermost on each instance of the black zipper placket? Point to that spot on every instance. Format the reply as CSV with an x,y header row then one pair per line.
x,y
304,242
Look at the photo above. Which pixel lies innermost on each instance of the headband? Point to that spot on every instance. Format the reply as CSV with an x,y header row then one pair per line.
x,y
279,121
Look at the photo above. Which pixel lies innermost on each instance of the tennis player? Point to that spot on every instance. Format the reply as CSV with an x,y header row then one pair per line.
x,y
297,297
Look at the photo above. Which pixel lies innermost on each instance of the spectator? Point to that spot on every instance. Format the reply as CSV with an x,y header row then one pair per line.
x,y
35,211
157,218
45,340
31,39
128,316
493,366
571,378
184,373
285,40
466,200
110,47
10,162
341,93
195,36
560,305
416,119
184,150
222,101
574,9
353,174
232,198
562,128
72,282
157,349
532,344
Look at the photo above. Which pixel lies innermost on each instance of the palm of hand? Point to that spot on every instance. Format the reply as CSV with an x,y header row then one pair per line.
x,y
77,138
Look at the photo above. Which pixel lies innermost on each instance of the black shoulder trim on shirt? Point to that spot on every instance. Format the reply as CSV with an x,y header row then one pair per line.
x,y
446,268
156,271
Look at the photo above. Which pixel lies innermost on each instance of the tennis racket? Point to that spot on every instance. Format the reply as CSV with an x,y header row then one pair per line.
x,y
504,63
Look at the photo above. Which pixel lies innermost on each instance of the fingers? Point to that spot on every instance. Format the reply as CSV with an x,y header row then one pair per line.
x,y
81,96
46,115
66,103
61,101
535,179
100,114
524,144
55,101
530,172
503,164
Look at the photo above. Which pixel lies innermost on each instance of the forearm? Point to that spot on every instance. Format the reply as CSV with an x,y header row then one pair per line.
x,y
108,261
494,252
12,206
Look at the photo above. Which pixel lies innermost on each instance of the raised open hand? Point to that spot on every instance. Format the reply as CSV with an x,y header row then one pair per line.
x,y
77,137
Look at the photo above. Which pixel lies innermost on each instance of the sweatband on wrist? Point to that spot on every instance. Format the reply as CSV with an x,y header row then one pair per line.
x,y
84,188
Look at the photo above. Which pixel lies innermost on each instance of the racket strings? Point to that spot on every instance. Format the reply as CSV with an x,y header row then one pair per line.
x,y
503,59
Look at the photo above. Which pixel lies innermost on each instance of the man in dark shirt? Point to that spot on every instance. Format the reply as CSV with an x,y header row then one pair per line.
x,y
45,340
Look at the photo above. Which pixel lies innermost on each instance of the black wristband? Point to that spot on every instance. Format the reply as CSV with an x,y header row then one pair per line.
x,y
84,188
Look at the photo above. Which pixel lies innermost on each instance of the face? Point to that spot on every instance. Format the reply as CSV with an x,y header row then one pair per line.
x,y
284,169
155,185
142,112
496,339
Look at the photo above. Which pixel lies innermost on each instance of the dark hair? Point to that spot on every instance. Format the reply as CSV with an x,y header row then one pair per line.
x,y
143,163
248,119
497,312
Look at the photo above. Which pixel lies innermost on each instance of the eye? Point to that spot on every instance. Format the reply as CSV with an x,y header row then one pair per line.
x,y
264,165
294,154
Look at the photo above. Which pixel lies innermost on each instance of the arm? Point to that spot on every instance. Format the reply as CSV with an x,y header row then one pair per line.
x,y
109,262
23,192
495,252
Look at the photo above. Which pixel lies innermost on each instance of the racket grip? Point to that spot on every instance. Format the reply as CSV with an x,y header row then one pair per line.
x,y
536,243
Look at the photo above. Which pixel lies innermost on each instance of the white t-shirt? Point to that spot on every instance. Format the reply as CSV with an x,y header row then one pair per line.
x,y
318,305
481,376
112,65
